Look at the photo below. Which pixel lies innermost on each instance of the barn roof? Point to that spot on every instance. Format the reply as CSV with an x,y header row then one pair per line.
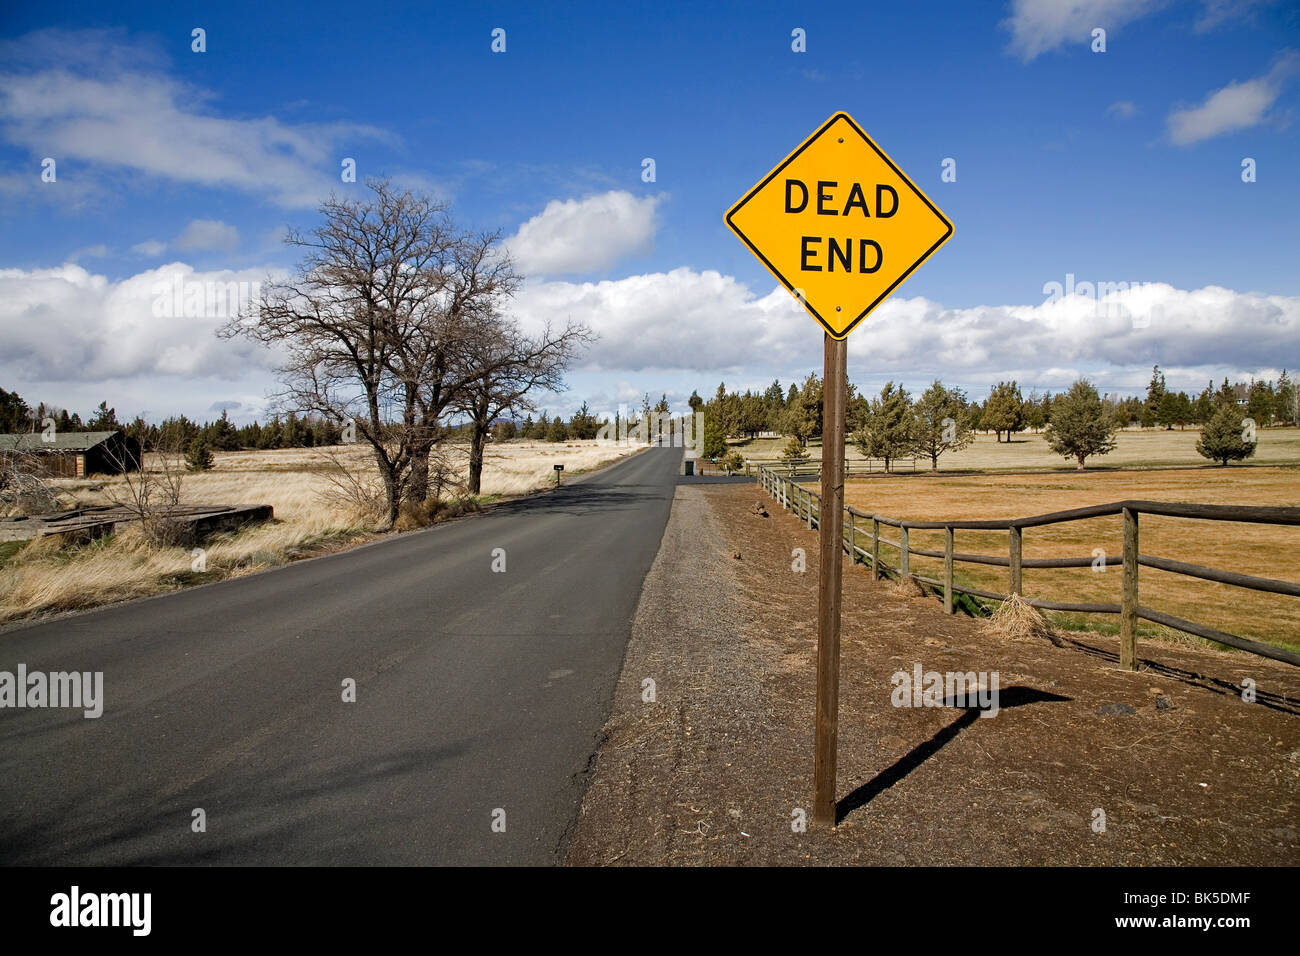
x,y
63,441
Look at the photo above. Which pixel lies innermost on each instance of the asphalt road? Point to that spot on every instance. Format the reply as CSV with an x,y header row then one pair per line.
x,y
476,691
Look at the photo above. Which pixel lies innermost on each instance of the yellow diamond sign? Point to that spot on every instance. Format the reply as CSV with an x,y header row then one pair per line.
x,y
839,224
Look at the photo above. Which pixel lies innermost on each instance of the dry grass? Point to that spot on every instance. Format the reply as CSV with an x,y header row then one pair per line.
x,y
1263,550
49,576
1015,619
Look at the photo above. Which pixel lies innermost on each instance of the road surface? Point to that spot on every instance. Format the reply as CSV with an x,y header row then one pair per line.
x,y
479,697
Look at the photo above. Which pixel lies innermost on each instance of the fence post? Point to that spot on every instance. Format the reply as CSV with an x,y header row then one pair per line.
x,y
1017,578
1129,608
905,562
947,569
853,542
807,497
875,548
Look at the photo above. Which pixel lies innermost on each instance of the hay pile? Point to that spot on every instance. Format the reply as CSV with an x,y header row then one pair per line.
x,y
907,587
1017,620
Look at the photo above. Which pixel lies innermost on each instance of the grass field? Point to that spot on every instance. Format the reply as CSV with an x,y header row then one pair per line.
x,y
49,576
1150,448
1264,550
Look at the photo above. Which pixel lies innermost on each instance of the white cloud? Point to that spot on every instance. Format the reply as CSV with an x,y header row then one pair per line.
x,y
202,234
150,248
73,337
1217,12
1124,109
585,235
71,99
1236,106
1040,26
69,325
711,324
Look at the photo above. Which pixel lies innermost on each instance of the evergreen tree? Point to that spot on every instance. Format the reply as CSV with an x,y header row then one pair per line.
x,y
794,453
197,456
1080,425
1226,437
1285,395
889,432
105,419
1004,410
942,423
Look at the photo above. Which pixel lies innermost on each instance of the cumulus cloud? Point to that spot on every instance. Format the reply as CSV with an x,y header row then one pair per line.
x,y
706,322
1040,26
148,342
150,248
1236,106
68,324
203,234
585,235
86,97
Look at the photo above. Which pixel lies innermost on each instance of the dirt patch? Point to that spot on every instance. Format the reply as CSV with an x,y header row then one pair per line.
x,y
718,767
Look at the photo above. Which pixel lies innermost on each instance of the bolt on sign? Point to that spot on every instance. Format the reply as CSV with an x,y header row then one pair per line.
x,y
839,224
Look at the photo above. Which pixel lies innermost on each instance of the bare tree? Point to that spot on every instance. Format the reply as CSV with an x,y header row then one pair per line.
x,y
23,488
152,494
351,320
443,352
508,367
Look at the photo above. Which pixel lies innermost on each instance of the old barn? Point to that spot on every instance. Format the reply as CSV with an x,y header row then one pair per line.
x,y
74,454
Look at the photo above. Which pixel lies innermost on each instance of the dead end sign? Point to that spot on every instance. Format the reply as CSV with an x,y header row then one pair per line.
x,y
839,224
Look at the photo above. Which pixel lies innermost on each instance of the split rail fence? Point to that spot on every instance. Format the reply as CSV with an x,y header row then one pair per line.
x,y
865,528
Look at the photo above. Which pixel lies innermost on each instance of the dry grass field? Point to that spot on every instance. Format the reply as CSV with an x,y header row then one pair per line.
x,y
1265,550
1138,447
49,576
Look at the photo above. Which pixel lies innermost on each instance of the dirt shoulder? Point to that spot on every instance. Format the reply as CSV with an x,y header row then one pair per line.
x,y
713,770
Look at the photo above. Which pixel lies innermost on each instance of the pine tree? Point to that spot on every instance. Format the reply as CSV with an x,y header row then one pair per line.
x,y
794,453
942,423
197,456
890,429
1226,437
1080,425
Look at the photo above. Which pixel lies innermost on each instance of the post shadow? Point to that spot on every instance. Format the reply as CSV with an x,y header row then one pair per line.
x,y
1011,697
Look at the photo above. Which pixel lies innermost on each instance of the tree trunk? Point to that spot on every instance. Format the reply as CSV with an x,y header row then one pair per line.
x,y
417,488
1080,466
477,441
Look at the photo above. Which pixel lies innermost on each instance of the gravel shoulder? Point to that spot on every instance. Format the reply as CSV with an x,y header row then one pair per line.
x,y
717,767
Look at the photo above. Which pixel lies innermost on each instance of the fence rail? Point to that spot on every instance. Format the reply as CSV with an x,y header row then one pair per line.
x,y
806,505
813,469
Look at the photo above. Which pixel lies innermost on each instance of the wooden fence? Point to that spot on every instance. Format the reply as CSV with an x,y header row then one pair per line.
x,y
806,504
813,469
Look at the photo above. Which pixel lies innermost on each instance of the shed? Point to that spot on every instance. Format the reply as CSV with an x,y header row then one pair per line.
x,y
75,454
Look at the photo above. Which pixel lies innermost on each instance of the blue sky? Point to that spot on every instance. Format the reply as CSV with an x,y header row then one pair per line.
x,y
1122,166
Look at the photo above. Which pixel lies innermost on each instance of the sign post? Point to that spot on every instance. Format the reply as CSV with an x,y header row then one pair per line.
x,y
841,227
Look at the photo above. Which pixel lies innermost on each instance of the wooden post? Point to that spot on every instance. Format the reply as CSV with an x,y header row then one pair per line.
x,y
1129,608
875,548
853,542
947,569
830,573
807,499
1017,577
905,561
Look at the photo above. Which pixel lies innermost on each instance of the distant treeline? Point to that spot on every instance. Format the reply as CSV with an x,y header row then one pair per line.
x,y
289,431
797,410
